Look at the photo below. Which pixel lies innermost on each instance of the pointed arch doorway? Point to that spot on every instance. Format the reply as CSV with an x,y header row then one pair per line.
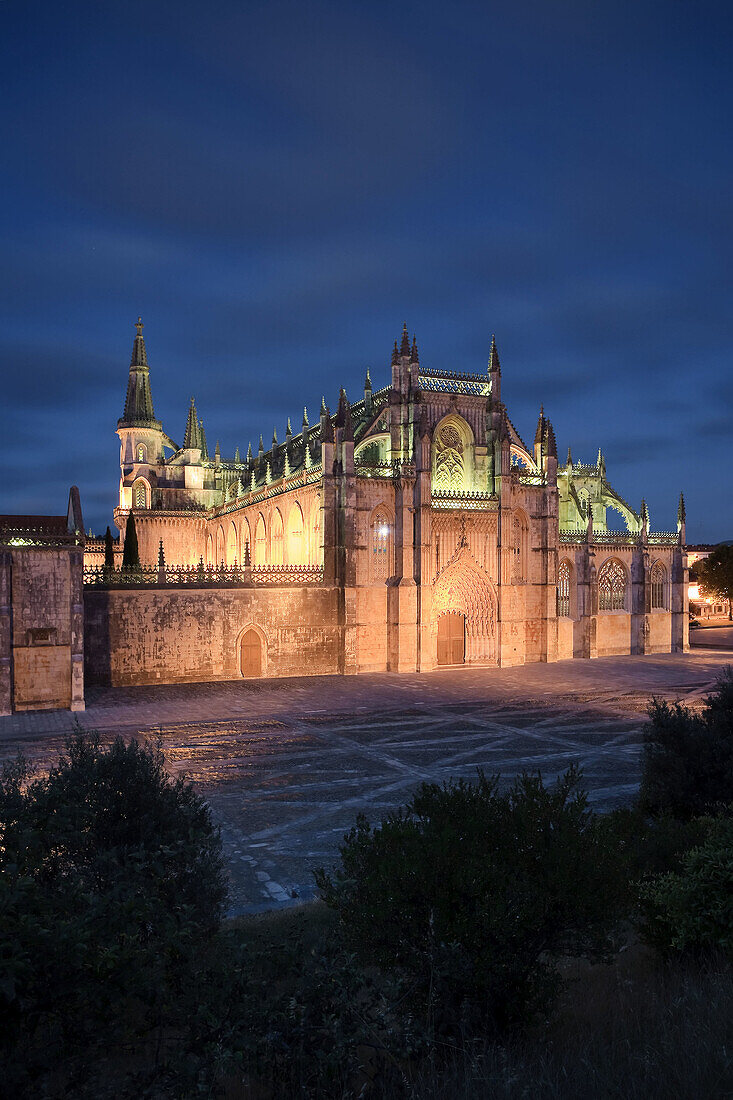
x,y
250,654
451,638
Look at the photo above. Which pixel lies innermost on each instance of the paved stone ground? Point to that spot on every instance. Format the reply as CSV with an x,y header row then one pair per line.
x,y
287,764
719,636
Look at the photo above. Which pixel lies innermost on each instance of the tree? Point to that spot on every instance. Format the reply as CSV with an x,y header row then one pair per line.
x,y
469,893
109,551
130,552
687,765
111,891
716,575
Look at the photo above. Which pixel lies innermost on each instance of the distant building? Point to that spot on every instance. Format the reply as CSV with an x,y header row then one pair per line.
x,y
41,611
412,529
703,607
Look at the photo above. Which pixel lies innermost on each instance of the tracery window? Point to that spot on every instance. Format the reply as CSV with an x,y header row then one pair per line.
x,y
612,586
381,547
141,453
519,547
658,585
449,460
563,590
139,495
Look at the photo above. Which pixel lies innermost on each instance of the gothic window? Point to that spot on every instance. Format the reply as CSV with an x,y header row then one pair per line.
x,y
519,546
276,555
381,546
139,495
658,585
295,548
140,453
260,551
563,590
612,586
449,460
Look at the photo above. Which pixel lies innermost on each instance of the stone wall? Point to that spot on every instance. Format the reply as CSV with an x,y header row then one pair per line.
x,y
41,634
193,635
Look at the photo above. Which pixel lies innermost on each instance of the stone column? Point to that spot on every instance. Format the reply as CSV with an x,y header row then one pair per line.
x,y
680,603
401,589
76,585
6,634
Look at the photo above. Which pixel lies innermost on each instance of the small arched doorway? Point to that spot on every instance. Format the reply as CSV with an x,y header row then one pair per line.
x,y
250,654
451,638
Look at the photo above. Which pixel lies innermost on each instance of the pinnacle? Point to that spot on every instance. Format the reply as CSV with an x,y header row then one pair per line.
x,y
305,418
138,400
405,345
494,365
368,380
414,356
395,353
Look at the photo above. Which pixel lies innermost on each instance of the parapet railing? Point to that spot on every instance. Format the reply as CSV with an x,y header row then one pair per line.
x,y
448,381
198,576
621,538
29,537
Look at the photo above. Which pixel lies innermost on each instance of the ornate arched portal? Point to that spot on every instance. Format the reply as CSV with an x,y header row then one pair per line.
x,y
464,590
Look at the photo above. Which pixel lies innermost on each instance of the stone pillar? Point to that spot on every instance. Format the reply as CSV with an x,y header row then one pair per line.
x,y
6,633
680,603
401,589
423,571
76,585
640,599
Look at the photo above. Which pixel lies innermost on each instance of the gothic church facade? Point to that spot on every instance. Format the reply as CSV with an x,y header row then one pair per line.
x,y
412,529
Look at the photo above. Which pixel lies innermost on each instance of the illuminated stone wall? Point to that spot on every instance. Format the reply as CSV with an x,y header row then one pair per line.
x,y
191,635
41,641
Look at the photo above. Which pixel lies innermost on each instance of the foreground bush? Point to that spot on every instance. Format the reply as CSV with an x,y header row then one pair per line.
x,y
470,892
111,884
692,909
688,756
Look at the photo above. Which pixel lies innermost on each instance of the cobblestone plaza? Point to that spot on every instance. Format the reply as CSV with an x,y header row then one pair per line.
x,y
287,764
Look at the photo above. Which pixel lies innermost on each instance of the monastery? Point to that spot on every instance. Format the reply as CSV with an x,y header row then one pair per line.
x,y
411,529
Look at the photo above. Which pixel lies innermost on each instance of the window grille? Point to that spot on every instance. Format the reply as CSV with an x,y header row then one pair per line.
x,y
658,584
612,587
563,590
140,496
381,546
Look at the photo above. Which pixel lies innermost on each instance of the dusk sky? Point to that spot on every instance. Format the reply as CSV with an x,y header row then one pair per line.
x,y
276,187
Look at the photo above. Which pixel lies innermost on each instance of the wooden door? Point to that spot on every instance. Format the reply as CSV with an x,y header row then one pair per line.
x,y
451,639
251,654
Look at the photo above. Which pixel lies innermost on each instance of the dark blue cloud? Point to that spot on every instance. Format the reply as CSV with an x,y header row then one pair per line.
x,y
277,186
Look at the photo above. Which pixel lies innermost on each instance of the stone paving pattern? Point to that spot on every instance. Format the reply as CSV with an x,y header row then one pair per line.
x,y
287,764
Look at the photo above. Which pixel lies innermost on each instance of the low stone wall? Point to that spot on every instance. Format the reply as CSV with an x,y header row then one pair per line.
x,y
193,635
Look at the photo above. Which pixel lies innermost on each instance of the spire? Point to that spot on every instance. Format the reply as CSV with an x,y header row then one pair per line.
x,y
305,419
192,436
341,411
414,357
237,458
570,458
139,400
249,453
323,406
599,460
644,514
288,431
540,426
395,354
326,427
405,345
550,445
681,512
202,438
217,453
494,364
274,437
367,380
348,434
261,451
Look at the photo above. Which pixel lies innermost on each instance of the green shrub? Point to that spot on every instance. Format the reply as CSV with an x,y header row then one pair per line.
x,y
692,909
469,893
688,756
111,886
